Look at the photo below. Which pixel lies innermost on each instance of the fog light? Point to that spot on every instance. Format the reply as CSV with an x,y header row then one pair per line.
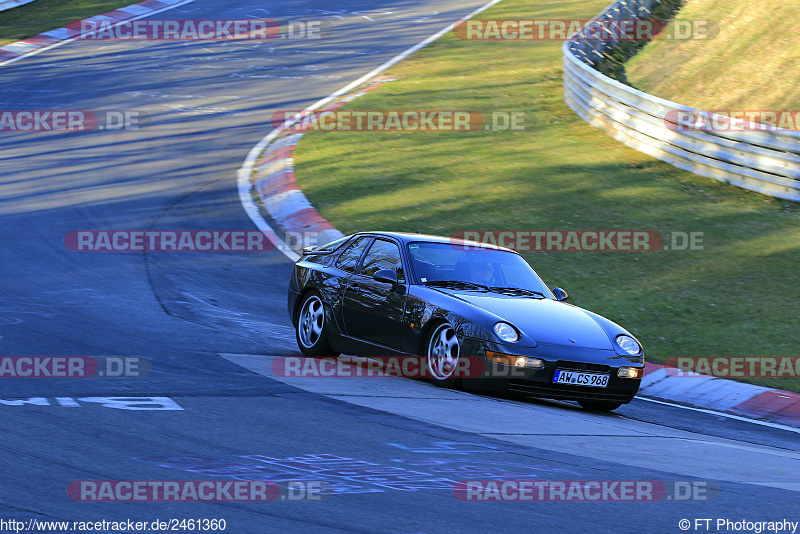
x,y
516,361
630,372
530,363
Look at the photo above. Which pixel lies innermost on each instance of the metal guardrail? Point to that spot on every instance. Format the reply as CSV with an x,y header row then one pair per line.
x,y
767,161
8,4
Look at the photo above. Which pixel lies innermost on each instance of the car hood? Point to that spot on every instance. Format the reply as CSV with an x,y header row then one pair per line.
x,y
544,320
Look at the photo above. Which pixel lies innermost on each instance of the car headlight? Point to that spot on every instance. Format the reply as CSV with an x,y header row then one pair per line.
x,y
628,344
506,332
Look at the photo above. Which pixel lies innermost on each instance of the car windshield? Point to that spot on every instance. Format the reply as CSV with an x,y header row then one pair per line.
x,y
474,267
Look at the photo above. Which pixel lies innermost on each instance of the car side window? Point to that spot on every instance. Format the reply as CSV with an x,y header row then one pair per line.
x,y
383,255
348,259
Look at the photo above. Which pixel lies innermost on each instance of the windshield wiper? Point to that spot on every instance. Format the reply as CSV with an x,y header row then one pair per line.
x,y
517,290
456,283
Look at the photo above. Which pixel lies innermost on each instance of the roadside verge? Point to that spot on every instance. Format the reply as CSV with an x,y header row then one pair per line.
x,y
274,188
713,393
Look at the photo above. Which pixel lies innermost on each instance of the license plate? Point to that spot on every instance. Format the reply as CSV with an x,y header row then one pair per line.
x,y
577,378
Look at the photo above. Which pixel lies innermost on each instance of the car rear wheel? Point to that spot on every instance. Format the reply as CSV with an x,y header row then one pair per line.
x,y
599,406
442,353
310,331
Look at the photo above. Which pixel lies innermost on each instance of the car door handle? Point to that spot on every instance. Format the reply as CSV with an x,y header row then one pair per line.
x,y
354,286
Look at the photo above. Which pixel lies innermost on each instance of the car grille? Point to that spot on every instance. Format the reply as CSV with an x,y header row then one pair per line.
x,y
563,364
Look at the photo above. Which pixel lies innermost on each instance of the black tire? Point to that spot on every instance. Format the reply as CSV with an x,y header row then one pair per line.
x,y
311,329
441,352
599,406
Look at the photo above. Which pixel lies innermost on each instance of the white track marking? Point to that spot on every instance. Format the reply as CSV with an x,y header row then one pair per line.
x,y
65,41
247,167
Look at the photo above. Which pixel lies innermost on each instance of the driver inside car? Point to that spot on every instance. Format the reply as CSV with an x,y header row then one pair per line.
x,y
481,273
471,269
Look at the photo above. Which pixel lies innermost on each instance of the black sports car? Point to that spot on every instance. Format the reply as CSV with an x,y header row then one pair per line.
x,y
445,300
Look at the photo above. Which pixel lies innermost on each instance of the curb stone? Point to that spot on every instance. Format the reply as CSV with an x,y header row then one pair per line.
x,y
721,394
274,186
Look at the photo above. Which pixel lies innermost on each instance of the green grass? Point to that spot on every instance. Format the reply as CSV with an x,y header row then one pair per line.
x,y
737,297
750,65
45,15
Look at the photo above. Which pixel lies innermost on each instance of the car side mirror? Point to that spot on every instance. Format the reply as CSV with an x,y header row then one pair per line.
x,y
387,276
560,294
309,249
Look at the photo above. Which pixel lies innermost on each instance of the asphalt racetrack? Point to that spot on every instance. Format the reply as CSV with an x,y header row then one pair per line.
x,y
211,324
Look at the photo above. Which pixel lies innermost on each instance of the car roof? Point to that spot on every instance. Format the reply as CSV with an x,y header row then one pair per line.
x,y
427,238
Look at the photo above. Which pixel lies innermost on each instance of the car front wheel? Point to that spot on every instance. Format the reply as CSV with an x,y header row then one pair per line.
x,y
442,353
310,331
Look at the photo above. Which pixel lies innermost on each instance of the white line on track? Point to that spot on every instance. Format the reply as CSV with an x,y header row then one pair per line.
x,y
65,41
247,167
723,414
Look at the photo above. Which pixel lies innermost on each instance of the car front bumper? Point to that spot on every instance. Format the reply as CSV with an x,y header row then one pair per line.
x,y
539,382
